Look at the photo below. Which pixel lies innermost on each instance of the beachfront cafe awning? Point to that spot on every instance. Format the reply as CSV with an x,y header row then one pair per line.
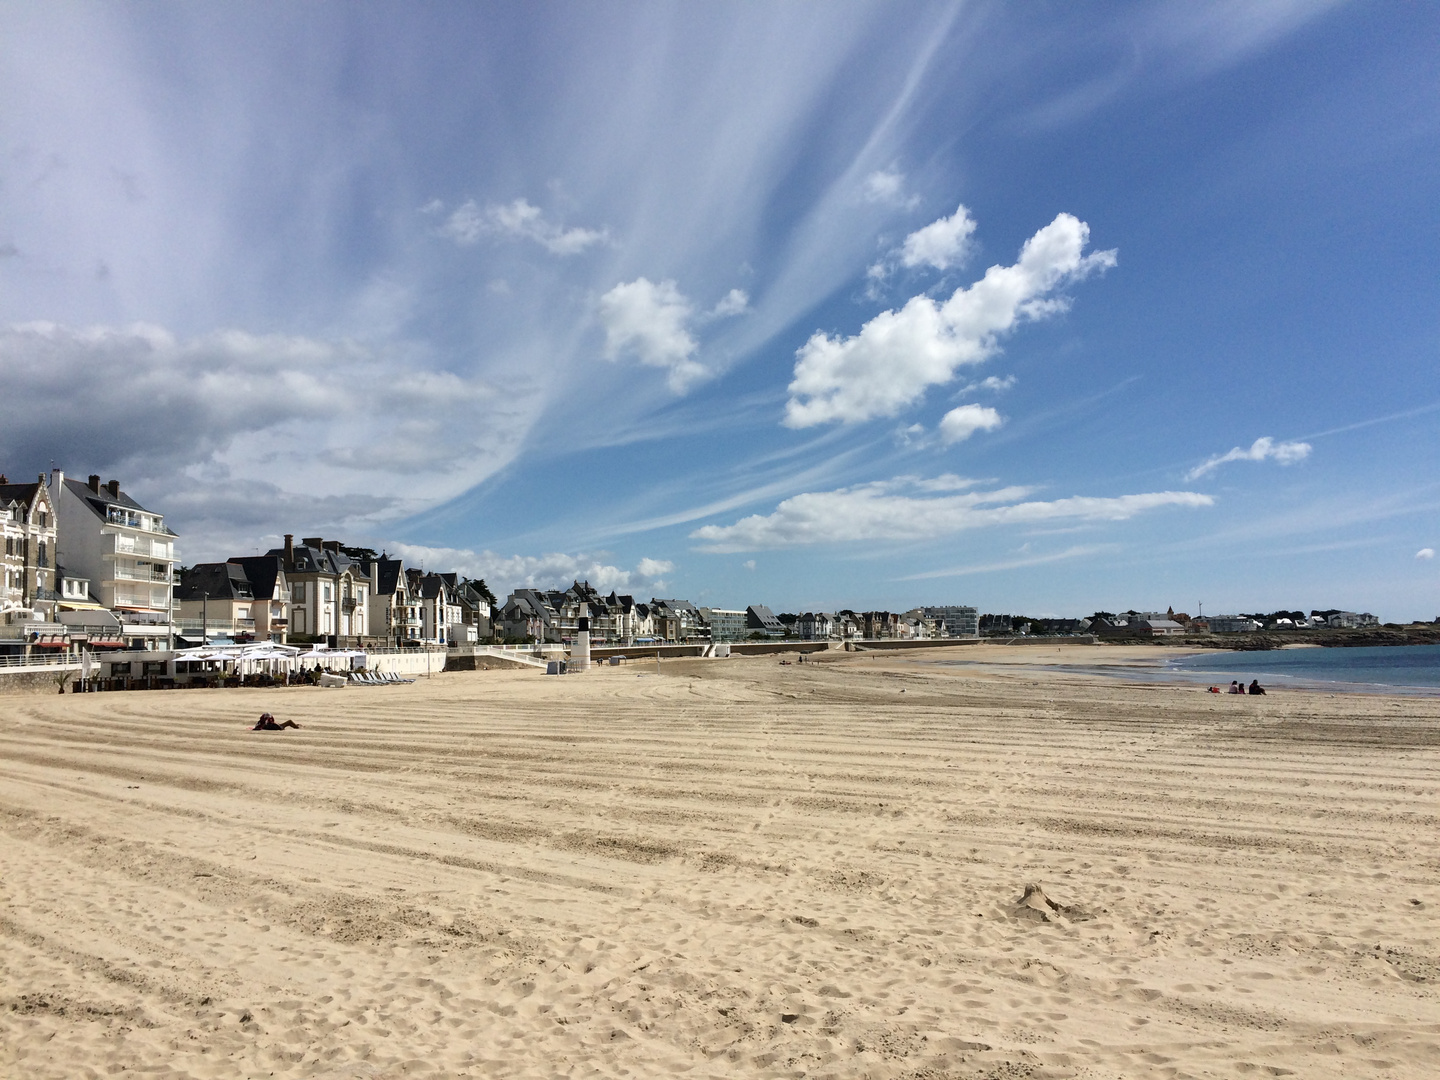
x,y
49,641
243,658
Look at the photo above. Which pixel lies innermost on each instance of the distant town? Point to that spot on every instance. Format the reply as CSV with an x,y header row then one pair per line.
x,y
87,568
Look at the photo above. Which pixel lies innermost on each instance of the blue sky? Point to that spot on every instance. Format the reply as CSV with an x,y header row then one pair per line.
x,y
1045,308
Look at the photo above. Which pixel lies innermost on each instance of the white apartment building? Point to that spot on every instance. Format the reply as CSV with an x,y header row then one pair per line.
x,y
127,553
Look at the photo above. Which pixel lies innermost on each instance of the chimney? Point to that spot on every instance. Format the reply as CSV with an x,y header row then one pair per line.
x,y
289,550
4,479
57,479
114,488
332,545
312,541
95,483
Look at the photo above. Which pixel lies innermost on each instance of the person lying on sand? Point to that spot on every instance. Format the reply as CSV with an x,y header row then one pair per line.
x,y
1255,687
267,723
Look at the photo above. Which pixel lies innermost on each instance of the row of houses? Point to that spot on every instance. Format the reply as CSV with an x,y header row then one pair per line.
x,y
322,590
552,616
85,565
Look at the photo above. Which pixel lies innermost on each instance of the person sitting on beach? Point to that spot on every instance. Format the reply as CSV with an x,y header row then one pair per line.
x,y
267,723
1255,687
1235,687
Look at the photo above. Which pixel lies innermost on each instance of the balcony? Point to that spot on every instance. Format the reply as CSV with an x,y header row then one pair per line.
x,y
348,604
130,573
215,626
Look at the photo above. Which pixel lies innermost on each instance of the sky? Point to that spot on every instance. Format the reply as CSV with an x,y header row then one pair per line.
x,y
1045,308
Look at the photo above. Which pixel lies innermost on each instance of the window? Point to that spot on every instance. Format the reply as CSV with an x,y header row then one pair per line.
x,y
327,590
298,592
44,517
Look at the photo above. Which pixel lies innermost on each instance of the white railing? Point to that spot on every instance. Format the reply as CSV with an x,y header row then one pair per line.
x,y
126,573
53,663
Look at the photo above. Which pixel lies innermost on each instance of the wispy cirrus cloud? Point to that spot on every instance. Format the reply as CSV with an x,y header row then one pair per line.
x,y
468,223
908,509
1262,449
898,355
1079,551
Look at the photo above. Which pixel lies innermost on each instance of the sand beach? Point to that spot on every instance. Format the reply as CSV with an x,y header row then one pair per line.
x,y
720,869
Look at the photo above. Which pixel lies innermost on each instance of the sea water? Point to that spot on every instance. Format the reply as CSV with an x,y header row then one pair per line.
x,y
1373,667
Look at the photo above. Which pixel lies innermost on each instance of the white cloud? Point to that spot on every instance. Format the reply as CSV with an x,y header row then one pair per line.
x,y
888,186
735,302
519,219
504,573
1425,553
941,244
226,429
748,564
649,321
898,355
890,510
1266,448
993,383
1011,564
961,423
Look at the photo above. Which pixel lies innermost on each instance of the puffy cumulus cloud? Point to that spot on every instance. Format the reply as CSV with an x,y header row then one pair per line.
x,y
467,223
1425,553
898,355
959,424
735,302
554,570
1262,449
905,510
888,186
941,244
651,321
207,427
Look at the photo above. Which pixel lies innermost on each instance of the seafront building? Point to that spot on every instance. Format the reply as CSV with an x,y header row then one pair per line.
x,y
125,552
244,599
725,624
955,620
29,600
329,591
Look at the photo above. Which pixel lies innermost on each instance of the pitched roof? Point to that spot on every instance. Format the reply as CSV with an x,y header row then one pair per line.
x,y
98,501
21,493
387,576
215,581
262,572
761,617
